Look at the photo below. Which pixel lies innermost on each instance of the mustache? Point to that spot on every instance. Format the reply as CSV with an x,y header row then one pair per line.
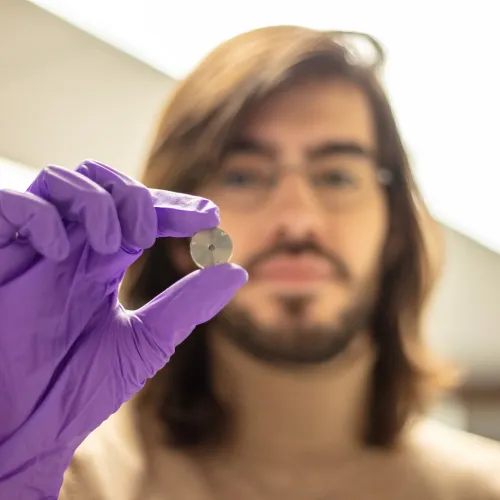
x,y
297,248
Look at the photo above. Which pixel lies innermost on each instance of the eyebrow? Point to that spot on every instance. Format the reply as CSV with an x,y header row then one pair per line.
x,y
244,145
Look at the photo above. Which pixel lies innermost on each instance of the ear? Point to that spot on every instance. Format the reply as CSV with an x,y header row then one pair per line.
x,y
434,243
394,244
393,247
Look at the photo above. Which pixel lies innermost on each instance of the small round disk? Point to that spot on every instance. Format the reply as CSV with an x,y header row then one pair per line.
x,y
210,247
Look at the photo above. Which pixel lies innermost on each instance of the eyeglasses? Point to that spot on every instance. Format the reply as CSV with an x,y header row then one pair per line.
x,y
337,184
344,182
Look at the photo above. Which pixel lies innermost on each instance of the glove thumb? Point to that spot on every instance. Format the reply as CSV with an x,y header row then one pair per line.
x,y
166,321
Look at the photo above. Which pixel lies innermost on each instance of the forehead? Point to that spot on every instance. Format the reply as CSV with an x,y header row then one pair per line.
x,y
312,113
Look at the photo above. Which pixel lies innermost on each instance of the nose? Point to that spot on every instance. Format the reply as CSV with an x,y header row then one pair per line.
x,y
294,209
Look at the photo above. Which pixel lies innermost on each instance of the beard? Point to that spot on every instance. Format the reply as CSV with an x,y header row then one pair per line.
x,y
300,342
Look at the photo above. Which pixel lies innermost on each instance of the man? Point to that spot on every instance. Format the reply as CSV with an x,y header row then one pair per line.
x,y
313,382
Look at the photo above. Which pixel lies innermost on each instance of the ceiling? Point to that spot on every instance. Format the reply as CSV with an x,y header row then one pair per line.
x,y
442,76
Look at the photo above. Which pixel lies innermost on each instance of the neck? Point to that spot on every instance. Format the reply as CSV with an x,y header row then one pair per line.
x,y
278,413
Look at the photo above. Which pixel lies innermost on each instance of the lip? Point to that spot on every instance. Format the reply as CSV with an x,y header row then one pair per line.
x,y
301,269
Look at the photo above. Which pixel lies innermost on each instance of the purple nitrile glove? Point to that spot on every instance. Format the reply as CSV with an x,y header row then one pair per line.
x,y
70,354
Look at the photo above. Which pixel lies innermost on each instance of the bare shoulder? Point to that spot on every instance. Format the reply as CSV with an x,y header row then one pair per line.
x,y
116,462
468,466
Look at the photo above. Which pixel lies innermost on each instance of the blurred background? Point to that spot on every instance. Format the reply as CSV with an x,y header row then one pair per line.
x,y
82,79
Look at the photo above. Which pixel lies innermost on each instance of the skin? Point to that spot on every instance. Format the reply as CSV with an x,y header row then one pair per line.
x,y
261,394
338,113
297,429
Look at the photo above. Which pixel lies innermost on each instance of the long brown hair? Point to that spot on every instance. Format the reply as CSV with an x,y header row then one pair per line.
x,y
204,112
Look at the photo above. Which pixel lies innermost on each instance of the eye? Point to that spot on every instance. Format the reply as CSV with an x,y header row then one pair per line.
x,y
334,178
243,178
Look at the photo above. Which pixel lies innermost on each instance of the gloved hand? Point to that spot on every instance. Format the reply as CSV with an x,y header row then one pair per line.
x,y
70,354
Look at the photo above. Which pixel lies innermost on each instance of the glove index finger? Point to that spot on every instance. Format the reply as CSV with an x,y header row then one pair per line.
x,y
182,215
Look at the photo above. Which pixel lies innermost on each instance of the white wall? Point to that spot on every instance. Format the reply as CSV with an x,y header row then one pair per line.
x,y
464,319
65,96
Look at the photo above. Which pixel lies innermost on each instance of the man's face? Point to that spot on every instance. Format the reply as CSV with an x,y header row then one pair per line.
x,y
310,238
